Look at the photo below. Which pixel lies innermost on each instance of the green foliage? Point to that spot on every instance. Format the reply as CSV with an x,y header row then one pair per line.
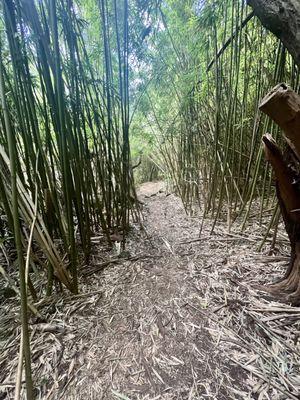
x,y
211,63
66,89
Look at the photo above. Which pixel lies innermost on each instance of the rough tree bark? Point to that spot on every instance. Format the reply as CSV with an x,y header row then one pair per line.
x,y
282,104
282,17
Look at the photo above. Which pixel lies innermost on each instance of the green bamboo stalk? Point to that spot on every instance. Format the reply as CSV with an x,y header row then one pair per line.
x,y
17,235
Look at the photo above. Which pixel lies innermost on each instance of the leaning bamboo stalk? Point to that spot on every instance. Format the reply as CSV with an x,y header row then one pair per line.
x,y
41,234
17,236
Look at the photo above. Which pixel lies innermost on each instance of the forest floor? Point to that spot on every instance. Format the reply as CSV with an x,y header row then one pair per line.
x,y
176,316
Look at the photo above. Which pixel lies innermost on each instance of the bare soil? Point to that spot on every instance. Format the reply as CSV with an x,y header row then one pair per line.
x,y
176,316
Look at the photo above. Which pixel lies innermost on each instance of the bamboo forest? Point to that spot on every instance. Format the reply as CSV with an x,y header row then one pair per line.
x,y
149,199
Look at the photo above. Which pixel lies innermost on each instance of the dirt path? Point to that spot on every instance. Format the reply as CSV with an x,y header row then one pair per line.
x,y
175,317
150,342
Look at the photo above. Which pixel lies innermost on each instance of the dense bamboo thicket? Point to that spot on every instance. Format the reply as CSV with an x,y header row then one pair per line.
x,y
66,114
64,146
213,63
64,141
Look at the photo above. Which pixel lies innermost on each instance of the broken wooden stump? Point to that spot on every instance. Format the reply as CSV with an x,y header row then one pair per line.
x,y
282,104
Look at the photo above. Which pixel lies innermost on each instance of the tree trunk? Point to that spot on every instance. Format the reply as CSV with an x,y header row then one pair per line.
x,y
282,104
282,17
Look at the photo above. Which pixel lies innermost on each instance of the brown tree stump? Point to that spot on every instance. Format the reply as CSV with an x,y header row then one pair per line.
x,y
282,104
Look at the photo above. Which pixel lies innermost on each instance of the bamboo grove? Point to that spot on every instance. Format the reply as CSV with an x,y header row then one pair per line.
x,y
184,77
65,165
205,120
64,142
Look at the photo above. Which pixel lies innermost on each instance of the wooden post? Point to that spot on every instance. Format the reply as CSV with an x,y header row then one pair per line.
x,y
282,104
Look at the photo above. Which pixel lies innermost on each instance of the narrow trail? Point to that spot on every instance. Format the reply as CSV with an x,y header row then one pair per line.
x,y
150,343
174,317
